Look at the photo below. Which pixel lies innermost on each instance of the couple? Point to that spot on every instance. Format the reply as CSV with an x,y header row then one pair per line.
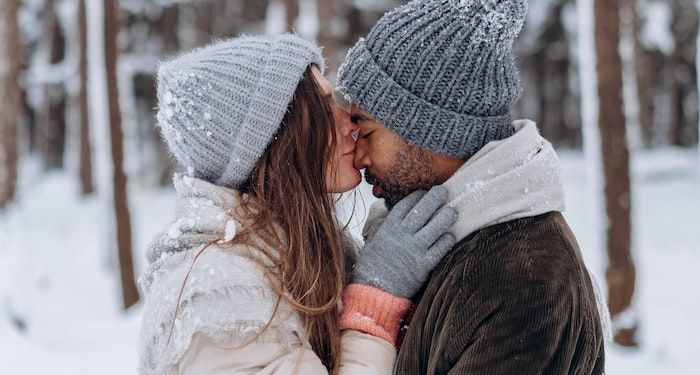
x,y
468,266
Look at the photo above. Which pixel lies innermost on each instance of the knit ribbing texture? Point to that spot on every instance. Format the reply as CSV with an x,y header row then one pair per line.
x,y
220,106
440,73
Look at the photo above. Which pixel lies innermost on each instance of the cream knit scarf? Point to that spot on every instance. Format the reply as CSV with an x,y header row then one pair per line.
x,y
511,179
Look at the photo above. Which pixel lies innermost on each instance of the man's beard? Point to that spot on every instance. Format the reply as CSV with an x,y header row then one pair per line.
x,y
412,169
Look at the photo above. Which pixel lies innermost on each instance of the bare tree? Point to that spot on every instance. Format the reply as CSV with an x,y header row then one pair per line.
x,y
644,72
683,77
145,90
54,112
85,151
551,101
326,16
620,274
291,8
697,67
130,294
10,107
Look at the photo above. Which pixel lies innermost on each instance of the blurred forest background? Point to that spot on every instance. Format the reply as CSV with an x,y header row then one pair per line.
x,y
608,82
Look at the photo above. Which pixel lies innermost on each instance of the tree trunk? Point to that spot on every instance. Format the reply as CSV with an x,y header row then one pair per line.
x,y
54,116
85,151
683,74
130,292
356,29
291,9
645,78
675,99
326,39
10,107
551,60
620,274
697,68
145,87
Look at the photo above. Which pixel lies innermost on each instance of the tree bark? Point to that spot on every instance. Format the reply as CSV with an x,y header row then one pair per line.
x,y
645,78
54,116
697,67
620,274
146,91
86,184
10,107
683,118
291,9
551,60
130,294
326,39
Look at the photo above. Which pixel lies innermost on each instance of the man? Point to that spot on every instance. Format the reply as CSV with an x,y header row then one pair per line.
x,y
432,87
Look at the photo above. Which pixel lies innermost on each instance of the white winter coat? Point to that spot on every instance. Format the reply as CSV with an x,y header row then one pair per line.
x,y
205,308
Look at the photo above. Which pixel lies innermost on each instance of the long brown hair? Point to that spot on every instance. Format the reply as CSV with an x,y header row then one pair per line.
x,y
288,188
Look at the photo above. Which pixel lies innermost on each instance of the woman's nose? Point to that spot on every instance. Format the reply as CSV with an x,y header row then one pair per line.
x,y
353,130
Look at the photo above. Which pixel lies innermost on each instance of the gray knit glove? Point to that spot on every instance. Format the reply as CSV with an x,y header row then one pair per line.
x,y
398,257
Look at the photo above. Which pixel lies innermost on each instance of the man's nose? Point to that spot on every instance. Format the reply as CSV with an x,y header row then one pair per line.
x,y
361,157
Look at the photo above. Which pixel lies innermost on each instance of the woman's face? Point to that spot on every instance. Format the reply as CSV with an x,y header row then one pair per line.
x,y
342,175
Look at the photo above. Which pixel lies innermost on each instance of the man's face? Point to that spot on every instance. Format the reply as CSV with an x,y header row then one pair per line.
x,y
394,167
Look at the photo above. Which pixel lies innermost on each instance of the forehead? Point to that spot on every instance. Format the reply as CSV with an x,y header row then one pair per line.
x,y
322,81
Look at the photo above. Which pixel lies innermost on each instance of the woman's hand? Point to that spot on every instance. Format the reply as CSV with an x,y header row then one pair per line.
x,y
401,252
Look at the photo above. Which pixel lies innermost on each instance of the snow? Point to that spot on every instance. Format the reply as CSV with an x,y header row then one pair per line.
x,y
656,32
625,320
275,18
229,231
55,282
307,24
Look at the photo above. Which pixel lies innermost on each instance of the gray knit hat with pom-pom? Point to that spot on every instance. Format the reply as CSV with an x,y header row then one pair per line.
x,y
220,106
440,73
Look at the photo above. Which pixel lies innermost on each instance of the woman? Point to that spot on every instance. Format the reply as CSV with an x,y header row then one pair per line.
x,y
249,276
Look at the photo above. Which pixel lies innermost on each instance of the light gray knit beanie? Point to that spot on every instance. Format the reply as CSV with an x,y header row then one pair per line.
x,y
220,106
440,73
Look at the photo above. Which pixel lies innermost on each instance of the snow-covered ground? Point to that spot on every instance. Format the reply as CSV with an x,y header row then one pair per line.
x,y
59,300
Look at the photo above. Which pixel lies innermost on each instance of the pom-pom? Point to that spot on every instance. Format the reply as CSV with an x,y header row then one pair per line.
x,y
493,20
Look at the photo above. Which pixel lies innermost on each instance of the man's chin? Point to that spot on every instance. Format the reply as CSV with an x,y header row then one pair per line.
x,y
392,198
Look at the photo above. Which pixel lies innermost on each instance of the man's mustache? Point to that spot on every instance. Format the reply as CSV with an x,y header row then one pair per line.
x,y
372,179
